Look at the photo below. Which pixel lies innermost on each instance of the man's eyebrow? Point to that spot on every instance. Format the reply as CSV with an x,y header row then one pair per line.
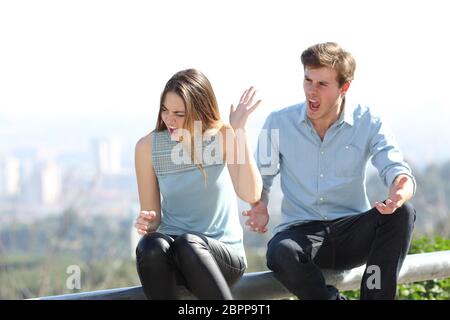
x,y
320,81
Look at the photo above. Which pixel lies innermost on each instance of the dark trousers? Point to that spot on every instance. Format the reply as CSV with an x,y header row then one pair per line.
x,y
205,266
297,254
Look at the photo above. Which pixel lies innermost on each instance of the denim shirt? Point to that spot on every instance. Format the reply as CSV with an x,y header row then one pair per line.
x,y
325,180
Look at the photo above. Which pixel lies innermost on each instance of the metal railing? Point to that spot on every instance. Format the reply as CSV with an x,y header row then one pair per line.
x,y
263,285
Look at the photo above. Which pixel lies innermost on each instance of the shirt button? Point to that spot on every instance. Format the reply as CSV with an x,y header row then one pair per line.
x,y
321,199
321,152
326,218
321,175
346,147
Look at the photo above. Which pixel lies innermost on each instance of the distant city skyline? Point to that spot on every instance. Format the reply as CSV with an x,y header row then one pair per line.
x,y
422,142
75,71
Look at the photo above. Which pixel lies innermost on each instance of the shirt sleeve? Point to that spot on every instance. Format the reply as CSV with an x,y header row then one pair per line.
x,y
386,154
268,154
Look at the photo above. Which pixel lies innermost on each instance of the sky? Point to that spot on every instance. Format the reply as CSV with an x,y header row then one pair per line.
x,y
89,63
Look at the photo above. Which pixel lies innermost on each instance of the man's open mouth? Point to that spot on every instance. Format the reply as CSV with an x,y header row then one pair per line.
x,y
314,105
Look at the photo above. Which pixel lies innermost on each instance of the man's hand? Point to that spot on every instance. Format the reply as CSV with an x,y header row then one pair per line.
x,y
258,217
145,223
401,191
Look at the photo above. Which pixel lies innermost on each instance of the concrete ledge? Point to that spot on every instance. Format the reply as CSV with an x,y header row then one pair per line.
x,y
263,285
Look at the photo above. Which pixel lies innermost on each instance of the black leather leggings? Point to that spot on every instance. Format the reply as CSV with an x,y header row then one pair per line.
x,y
205,266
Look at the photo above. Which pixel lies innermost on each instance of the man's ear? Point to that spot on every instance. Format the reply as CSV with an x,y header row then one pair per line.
x,y
345,87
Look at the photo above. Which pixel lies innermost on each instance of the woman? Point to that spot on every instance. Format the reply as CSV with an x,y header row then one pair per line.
x,y
193,237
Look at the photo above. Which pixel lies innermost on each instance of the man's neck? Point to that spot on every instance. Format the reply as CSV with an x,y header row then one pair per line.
x,y
322,125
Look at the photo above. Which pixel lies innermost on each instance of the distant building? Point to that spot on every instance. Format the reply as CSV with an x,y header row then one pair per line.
x,y
9,177
50,183
108,156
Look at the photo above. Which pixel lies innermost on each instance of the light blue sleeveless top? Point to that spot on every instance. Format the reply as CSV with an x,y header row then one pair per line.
x,y
189,204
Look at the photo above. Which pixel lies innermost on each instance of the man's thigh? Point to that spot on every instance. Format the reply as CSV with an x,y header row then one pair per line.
x,y
304,241
351,238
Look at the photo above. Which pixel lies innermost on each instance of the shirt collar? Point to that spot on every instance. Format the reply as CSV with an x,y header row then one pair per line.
x,y
302,117
347,113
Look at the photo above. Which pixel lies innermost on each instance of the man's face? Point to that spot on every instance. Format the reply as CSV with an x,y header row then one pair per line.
x,y
323,94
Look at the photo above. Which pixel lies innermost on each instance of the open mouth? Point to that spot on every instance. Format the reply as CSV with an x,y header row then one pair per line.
x,y
174,134
171,130
314,105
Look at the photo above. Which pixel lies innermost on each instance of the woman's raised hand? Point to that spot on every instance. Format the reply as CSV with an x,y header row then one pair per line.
x,y
239,115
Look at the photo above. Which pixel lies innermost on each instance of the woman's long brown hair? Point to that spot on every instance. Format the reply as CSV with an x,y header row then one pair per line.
x,y
200,101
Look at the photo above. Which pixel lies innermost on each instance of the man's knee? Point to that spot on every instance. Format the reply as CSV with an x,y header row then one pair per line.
x,y
401,220
285,255
409,209
405,215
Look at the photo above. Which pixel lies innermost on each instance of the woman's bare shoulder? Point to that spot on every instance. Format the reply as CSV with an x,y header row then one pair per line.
x,y
144,145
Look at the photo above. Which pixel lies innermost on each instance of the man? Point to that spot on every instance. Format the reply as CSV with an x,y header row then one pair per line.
x,y
321,148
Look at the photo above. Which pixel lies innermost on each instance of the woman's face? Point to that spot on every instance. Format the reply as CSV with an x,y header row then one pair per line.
x,y
173,113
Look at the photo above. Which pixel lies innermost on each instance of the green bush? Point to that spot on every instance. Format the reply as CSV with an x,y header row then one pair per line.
x,y
425,290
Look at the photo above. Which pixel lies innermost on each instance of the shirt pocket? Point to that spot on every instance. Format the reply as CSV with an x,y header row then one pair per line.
x,y
349,161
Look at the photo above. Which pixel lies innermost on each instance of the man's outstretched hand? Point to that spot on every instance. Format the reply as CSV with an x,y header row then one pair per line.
x,y
401,191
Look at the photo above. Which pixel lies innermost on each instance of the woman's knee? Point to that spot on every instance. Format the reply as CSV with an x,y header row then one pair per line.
x,y
186,247
188,241
152,247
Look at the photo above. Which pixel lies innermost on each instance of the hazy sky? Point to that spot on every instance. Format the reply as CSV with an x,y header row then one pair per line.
x,y
81,59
